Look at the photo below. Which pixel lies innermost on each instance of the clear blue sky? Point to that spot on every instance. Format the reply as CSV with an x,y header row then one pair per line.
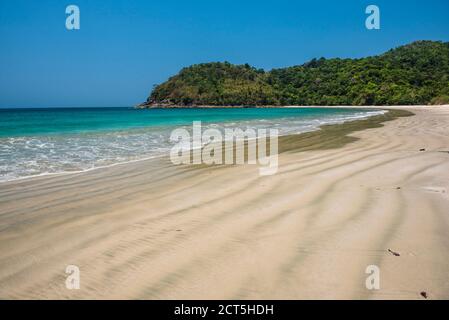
x,y
126,46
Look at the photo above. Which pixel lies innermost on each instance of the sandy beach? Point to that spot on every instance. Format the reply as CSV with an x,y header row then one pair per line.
x,y
150,230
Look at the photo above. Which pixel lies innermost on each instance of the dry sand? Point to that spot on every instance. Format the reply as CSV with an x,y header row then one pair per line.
x,y
149,230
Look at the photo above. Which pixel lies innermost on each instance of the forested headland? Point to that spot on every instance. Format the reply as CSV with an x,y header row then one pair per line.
x,y
414,74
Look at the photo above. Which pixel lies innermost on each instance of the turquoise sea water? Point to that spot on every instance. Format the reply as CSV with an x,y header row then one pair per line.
x,y
45,141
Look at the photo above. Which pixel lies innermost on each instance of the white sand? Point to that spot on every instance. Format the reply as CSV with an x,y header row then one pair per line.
x,y
149,230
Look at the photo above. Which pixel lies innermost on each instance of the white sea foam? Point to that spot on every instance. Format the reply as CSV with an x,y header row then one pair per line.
x,y
23,157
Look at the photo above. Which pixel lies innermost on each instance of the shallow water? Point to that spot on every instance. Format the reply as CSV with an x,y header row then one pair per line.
x,y
47,141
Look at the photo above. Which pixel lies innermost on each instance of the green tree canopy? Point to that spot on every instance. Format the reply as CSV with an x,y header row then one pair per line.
x,y
417,73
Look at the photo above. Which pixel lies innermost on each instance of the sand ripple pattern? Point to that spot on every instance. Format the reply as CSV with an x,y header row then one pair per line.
x,y
151,231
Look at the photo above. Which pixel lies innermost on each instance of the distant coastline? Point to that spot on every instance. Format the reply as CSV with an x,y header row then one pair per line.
x,y
177,106
180,106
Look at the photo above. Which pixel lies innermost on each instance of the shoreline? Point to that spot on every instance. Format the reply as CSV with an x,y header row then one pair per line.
x,y
154,231
287,139
161,106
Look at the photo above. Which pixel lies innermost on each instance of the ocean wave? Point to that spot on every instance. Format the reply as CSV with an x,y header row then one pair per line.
x,y
24,157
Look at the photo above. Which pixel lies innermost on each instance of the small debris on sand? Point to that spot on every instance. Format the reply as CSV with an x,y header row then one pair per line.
x,y
398,188
393,253
422,149
424,294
